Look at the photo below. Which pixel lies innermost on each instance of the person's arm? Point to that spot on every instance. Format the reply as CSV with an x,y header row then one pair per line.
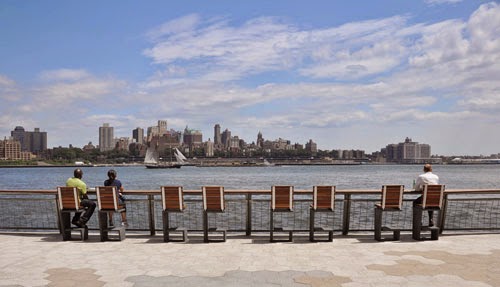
x,y
419,184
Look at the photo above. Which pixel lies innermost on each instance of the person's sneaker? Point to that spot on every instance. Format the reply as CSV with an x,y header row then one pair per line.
x,y
74,221
124,224
80,223
431,223
111,224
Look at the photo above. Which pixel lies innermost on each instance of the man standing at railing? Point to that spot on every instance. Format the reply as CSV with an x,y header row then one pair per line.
x,y
76,181
426,178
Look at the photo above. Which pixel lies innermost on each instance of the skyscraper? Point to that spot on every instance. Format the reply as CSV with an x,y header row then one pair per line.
x,y
106,137
138,135
162,127
217,136
35,141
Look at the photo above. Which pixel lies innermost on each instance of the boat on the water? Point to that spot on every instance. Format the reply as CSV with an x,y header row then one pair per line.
x,y
152,159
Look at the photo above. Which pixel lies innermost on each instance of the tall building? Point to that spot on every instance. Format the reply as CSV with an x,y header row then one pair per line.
x,y
192,138
217,135
260,140
157,131
226,138
34,141
138,135
209,148
106,138
312,147
162,127
408,152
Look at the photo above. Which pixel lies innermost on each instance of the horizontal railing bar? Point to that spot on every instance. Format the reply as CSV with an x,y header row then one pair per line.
x,y
267,191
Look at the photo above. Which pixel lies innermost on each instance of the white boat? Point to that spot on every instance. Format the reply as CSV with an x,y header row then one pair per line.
x,y
152,159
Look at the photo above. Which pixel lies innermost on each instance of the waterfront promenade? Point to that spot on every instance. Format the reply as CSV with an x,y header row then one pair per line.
x,y
43,259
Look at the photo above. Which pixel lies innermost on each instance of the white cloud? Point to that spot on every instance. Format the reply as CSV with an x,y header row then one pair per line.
x,y
64,75
437,2
8,89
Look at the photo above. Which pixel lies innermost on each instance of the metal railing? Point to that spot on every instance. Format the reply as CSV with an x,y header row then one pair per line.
x,y
248,211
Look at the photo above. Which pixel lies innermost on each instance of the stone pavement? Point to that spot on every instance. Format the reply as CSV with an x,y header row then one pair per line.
x,y
43,259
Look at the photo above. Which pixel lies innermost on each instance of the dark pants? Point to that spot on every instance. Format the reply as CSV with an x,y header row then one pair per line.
x,y
89,210
419,201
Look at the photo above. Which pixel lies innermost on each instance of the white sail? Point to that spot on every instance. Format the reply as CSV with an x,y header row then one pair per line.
x,y
179,153
151,156
179,156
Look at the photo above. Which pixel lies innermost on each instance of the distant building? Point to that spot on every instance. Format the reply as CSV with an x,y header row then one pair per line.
x,y
408,152
217,135
162,127
260,140
209,148
122,144
157,131
192,138
106,138
312,147
34,141
88,147
138,135
10,149
226,138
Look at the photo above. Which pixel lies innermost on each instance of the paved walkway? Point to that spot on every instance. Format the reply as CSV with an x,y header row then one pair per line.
x,y
355,260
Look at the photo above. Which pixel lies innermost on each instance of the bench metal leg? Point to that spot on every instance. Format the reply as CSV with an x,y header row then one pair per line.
x,y
167,230
378,224
103,225
311,224
273,229
313,229
417,226
166,226
104,228
66,225
378,228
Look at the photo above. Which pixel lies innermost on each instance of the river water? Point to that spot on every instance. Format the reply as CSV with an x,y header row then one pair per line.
x,y
302,177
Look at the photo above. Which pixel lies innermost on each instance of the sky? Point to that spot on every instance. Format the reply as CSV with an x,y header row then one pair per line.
x,y
346,74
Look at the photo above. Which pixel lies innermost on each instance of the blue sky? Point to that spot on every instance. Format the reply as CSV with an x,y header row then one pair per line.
x,y
347,74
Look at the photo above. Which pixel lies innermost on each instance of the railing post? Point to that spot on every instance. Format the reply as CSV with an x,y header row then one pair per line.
x,y
249,214
347,214
151,209
442,214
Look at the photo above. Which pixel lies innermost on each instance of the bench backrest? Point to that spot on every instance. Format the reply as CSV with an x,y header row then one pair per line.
x,y
392,196
324,197
282,198
69,198
171,198
213,198
432,196
107,198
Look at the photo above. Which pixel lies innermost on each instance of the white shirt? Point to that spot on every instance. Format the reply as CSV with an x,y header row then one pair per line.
x,y
426,178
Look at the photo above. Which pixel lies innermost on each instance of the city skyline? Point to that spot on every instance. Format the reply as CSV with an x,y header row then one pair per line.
x,y
346,77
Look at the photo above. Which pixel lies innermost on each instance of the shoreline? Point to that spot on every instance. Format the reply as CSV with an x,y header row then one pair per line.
x,y
235,164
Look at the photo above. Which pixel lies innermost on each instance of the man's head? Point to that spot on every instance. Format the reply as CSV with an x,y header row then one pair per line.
x,y
78,173
427,167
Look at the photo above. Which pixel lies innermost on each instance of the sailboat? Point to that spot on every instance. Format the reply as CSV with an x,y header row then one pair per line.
x,y
152,159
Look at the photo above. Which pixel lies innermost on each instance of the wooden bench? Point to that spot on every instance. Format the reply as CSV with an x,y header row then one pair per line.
x,y
281,201
107,200
432,200
323,201
213,202
172,201
392,200
68,202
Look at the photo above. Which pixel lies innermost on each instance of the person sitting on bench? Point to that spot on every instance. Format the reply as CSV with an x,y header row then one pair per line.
x,y
426,178
76,181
